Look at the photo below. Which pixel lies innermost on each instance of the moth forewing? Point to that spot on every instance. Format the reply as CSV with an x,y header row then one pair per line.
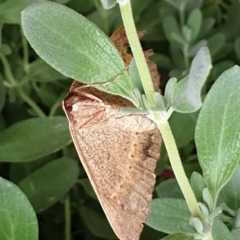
x,y
118,152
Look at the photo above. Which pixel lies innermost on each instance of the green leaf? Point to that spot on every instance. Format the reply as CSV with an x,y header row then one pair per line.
x,y
108,4
18,171
178,236
147,231
1,26
187,93
236,220
10,10
194,21
42,72
17,217
170,26
96,223
33,138
159,102
186,33
177,58
162,60
225,50
213,47
71,53
167,215
219,68
231,25
5,49
237,48
190,5
2,93
47,93
176,4
138,7
197,183
184,134
129,110
195,48
236,234
231,192
135,77
220,231
207,25
179,38
169,89
88,187
217,134
169,189
76,47
49,183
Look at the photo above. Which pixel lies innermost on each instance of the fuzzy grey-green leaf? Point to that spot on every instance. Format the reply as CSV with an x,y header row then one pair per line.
x,y
70,43
108,4
76,47
169,91
217,133
166,214
187,93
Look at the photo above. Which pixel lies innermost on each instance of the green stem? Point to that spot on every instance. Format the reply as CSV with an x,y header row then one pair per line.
x,y
129,25
25,53
57,104
31,103
166,132
67,219
182,13
9,76
185,56
7,70
178,170
104,15
182,23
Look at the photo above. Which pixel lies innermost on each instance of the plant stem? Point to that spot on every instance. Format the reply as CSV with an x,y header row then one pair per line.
x,y
7,70
67,219
14,83
104,15
25,53
182,13
129,25
185,56
31,103
164,128
178,170
57,104
182,23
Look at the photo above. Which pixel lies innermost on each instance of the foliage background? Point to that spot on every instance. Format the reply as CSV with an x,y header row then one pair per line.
x,y
41,153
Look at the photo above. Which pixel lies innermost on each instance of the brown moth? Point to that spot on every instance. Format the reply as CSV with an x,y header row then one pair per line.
x,y
118,152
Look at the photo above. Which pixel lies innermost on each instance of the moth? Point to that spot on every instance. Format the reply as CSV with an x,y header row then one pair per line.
x,y
118,152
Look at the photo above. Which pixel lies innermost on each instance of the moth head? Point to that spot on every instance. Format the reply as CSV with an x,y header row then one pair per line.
x,y
85,110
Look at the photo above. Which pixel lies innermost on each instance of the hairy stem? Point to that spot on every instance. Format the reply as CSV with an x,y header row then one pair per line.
x,y
129,25
164,128
178,169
